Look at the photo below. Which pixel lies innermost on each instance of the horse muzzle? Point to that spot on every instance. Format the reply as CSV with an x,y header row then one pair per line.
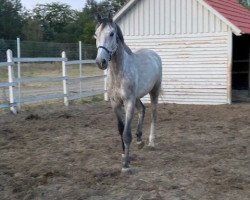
x,y
102,64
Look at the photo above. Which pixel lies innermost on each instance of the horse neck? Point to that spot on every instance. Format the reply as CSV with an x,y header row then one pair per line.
x,y
117,61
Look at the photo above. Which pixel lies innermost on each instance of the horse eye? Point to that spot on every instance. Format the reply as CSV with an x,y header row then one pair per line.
x,y
111,34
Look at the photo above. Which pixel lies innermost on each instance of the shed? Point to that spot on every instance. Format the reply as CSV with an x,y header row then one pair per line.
x,y
198,41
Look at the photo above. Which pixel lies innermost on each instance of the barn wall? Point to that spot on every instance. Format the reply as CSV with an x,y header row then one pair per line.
x,y
194,44
195,66
161,17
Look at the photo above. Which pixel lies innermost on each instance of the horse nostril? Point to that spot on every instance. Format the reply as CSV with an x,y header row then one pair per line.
x,y
104,62
101,63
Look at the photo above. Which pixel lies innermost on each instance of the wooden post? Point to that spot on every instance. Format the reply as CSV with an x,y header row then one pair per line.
x,y
10,79
106,98
64,74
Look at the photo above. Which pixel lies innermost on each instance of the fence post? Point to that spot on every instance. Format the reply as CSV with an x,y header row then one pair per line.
x,y
10,79
80,67
19,72
64,74
106,98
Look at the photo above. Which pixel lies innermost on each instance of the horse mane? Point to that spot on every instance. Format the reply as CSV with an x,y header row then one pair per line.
x,y
121,38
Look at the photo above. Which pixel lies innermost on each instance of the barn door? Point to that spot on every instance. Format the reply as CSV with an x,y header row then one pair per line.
x,y
240,69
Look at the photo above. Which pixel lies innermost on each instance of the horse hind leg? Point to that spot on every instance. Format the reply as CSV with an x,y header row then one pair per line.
x,y
141,110
154,95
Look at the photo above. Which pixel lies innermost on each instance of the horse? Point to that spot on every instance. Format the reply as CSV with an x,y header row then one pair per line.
x,y
130,76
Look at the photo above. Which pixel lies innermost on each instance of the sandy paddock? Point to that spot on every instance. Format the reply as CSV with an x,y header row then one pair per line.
x,y
54,152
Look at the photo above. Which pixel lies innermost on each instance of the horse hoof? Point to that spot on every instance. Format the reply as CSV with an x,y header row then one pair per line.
x,y
140,144
126,170
151,144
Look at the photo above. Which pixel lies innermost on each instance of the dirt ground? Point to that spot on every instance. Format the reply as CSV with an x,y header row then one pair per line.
x,y
54,152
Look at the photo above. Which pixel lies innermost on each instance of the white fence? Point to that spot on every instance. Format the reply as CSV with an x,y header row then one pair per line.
x,y
15,99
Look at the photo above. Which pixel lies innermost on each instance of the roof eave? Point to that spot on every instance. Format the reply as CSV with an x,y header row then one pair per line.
x,y
124,9
234,28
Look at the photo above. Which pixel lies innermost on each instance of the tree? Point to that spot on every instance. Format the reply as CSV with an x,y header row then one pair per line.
x,y
31,29
86,17
86,22
53,21
117,4
10,19
245,3
54,17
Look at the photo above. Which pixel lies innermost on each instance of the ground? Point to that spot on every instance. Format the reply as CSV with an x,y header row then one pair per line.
x,y
55,152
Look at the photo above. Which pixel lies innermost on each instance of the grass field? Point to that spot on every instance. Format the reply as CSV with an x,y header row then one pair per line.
x,y
50,70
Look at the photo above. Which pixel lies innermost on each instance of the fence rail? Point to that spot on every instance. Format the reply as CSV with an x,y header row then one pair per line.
x,y
4,64
31,60
14,100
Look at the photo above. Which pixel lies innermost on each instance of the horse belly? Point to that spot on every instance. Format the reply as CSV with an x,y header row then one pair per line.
x,y
147,81
145,88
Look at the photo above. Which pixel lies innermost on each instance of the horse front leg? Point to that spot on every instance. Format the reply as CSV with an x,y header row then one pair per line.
x,y
127,136
120,121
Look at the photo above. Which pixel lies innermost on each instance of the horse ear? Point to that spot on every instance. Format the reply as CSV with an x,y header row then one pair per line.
x,y
99,17
110,17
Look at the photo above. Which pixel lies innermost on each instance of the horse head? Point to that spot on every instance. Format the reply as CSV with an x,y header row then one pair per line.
x,y
106,40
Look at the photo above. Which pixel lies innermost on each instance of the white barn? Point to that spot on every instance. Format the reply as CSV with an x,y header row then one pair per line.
x,y
194,41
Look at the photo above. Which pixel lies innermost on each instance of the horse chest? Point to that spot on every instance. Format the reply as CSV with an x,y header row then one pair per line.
x,y
120,89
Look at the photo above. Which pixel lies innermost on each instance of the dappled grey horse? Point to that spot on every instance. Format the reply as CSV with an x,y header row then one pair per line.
x,y
130,76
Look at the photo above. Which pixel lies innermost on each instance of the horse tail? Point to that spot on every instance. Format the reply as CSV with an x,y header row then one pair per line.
x,y
161,94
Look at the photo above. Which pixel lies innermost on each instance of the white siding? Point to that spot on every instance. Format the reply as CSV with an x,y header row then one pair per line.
x,y
195,66
161,17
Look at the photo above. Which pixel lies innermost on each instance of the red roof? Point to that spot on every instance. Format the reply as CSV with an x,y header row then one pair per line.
x,y
234,12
